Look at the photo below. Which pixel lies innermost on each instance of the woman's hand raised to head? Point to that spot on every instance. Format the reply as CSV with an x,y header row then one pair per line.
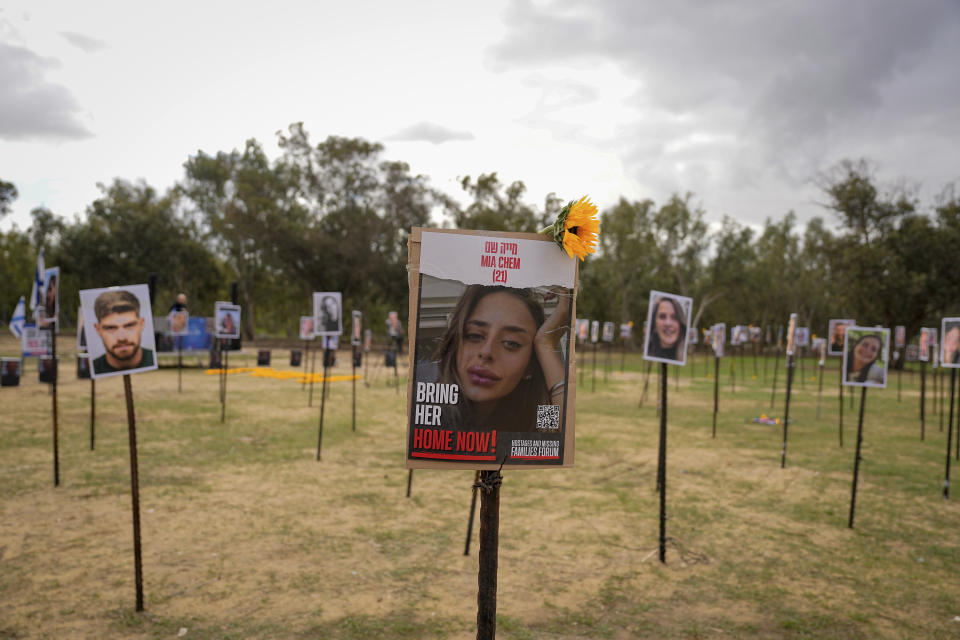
x,y
548,337
552,328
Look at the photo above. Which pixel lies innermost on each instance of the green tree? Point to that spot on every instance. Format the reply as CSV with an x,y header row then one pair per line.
x,y
360,209
496,207
126,234
244,204
8,193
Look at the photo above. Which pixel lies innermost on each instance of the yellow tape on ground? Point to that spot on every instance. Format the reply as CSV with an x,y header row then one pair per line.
x,y
298,376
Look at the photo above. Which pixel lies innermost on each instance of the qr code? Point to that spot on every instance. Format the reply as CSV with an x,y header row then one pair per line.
x,y
548,417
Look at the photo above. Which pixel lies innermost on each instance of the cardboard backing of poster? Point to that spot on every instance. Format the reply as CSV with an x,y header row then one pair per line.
x,y
482,389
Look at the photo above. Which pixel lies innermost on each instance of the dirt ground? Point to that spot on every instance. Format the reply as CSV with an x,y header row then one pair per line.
x,y
245,534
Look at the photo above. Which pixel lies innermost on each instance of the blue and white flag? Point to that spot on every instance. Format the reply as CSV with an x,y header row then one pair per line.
x,y
18,320
36,295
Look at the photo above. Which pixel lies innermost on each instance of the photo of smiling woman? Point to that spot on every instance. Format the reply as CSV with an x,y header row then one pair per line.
x,y
865,356
668,315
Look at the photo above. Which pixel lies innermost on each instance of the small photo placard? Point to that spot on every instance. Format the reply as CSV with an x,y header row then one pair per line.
x,y
837,329
178,323
357,330
328,313
306,328
866,356
607,332
718,336
226,318
122,339
950,345
668,316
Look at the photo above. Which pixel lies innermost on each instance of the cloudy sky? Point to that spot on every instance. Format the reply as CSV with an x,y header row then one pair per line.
x,y
740,102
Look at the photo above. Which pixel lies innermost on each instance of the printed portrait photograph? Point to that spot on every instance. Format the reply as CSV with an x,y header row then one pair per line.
x,y
607,332
595,331
668,316
178,323
899,336
928,341
791,334
226,318
10,371
583,329
491,361
394,328
327,313
718,338
357,330
306,328
836,331
48,314
950,344
866,358
122,337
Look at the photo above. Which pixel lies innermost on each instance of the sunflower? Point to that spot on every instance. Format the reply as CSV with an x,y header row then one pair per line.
x,y
577,228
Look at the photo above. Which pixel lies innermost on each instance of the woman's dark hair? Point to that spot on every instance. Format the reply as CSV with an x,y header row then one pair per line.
x,y
658,350
862,376
517,410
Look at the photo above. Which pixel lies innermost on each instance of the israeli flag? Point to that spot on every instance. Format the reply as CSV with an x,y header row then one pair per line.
x,y
18,320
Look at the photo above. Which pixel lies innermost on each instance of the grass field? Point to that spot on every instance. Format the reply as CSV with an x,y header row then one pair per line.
x,y
246,535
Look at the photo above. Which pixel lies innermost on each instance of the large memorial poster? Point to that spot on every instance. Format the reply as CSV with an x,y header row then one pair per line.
x,y
491,377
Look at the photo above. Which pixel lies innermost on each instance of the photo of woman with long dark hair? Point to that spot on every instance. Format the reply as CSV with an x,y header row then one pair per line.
x,y
864,362
503,351
667,318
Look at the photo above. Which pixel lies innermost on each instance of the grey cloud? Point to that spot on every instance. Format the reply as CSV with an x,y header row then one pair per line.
x,y
31,107
781,88
86,43
430,132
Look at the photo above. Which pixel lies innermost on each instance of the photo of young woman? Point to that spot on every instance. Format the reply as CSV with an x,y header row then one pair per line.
x,y
865,356
501,350
668,315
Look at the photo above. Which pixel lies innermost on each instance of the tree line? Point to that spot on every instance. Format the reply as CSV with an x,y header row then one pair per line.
x,y
335,215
